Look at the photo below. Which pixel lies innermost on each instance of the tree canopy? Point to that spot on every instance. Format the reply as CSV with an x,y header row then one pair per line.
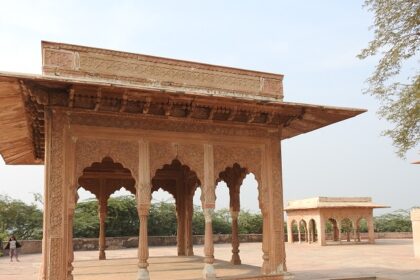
x,y
19,218
25,220
397,40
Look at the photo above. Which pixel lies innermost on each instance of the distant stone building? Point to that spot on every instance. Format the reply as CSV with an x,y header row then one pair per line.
x,y
330,218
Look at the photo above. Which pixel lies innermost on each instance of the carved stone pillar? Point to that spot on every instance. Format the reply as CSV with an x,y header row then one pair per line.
x,y
234,186
59,183
371,229
209,272
189,209
70,258
299,235
208,198
309,233
235,238
338,235
180,214
143,250
289,233
321,231
272,182
103,209
265,269
143,194
336,232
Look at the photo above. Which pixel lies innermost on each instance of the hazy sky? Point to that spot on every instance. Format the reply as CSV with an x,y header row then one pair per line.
x,y
313,43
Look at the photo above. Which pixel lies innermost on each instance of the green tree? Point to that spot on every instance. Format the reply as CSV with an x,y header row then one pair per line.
x,y
397,38
250,223
20,219
122,218
198,221
86,220
397,221
162,219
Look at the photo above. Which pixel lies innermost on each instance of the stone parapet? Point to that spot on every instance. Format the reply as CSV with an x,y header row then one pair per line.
x,y
122,67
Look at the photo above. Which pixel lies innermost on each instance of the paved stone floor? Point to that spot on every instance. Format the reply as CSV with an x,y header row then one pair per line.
x,y
389,259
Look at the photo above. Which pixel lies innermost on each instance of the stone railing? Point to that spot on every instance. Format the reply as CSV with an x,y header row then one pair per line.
x,y
113,243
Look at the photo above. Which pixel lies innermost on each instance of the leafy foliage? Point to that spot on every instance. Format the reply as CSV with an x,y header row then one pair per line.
x,y
397,38
20,219
397,221
86,220
25,221
250,223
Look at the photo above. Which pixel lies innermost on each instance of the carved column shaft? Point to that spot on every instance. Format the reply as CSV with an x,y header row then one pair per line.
x,y
371,229
143,205
265,269
273,172
208,272
208,198
70,246
299,235
180,215
143,251
188,226
236,260
103,207
289,233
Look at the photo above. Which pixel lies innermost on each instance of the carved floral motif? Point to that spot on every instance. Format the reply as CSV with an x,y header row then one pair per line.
x,y
90,150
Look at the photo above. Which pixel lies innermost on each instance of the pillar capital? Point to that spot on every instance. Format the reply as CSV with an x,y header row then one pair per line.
x,y
208,214
234,213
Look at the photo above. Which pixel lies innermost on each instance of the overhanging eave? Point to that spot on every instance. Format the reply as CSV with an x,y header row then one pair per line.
x,y
17,144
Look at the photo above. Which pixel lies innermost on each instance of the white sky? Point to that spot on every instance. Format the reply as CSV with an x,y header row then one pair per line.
x,y
313,43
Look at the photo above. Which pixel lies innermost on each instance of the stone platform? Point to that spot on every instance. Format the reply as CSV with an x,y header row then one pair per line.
x,y
387,259
172,267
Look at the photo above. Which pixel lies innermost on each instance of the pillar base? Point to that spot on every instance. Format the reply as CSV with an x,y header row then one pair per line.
x,y
143,274
236,260
102,255
208,272
265,269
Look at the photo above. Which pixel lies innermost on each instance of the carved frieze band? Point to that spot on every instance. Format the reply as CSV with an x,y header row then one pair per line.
x,y
164,125
161,72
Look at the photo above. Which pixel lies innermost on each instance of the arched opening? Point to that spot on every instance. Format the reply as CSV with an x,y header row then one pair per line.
x,y
303,230
313,236
346,227
362,230
121,214
103,179
162,220
295,231
181,183
332,230
222,219
85,220
248,221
